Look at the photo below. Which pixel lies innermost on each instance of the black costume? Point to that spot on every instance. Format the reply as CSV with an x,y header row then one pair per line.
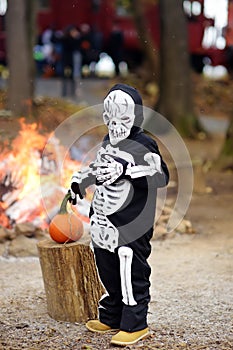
x,y
128,170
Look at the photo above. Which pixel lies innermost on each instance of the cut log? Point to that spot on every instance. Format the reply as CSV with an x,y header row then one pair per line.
x,y
71,282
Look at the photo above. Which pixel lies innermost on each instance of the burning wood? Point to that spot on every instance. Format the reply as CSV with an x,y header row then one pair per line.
x,y
29,177
7,184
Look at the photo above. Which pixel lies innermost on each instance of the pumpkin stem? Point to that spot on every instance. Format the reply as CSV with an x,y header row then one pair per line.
x,y
63,207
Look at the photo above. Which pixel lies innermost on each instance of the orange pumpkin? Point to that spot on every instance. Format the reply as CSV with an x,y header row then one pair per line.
x,y
65,227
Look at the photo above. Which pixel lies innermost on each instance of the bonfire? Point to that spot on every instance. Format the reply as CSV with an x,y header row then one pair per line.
x,y
34,176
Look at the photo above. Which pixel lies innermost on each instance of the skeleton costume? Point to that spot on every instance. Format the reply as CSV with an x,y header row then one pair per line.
x,y
127,172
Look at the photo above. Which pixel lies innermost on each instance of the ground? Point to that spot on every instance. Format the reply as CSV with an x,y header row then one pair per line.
x,y
192,283
192,292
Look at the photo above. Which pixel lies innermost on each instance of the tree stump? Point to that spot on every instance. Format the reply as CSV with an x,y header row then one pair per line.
x,y
71,281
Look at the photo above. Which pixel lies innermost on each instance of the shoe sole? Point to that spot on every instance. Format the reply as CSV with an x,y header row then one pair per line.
x,y
99,331
122,343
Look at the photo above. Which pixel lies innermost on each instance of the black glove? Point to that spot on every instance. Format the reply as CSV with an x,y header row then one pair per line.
x,y
74,191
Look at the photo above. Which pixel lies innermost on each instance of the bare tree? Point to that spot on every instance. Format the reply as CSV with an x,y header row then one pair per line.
x,y
147,44
176,95
225,160
20,24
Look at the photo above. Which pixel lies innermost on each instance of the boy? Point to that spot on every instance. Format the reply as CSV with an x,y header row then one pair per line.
x,y
127,172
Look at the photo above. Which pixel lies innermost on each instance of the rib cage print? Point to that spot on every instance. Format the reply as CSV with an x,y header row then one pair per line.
x,y
106,201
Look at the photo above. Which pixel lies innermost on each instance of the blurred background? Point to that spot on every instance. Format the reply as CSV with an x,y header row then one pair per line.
x,y
115,28
53,48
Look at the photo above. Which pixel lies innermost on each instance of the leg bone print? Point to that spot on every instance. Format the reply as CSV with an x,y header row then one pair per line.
x,y
126,257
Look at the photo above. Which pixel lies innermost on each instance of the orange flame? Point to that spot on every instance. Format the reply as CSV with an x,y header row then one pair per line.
x,y
22,164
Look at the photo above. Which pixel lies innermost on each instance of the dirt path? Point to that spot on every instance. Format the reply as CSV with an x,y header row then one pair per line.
x,y
192,292
192,296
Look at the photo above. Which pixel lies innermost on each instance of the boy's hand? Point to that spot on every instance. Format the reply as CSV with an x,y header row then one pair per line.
x,y
108,172
75,188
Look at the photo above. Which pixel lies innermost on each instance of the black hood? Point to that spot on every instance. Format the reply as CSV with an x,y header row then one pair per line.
x,y
137,100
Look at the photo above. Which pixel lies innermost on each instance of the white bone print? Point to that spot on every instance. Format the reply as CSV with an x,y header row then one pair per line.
x,y
118,115
126,257
154,166
108,198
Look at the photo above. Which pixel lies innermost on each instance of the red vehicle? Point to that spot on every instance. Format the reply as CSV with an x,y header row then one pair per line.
x,y
102,14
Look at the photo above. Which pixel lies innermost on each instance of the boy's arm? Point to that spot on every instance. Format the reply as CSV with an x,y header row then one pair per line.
x,y
80,180
117,169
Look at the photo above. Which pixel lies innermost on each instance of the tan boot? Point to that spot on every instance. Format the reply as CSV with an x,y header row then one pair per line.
x,y
126,338
99,327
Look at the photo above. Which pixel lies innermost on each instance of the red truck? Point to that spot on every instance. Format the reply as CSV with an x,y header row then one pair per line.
x,y
102,14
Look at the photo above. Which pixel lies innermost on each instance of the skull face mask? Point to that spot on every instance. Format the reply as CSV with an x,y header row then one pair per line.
x,y
119,115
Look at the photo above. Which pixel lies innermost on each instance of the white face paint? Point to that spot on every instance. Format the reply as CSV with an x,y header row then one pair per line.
x,y
118,115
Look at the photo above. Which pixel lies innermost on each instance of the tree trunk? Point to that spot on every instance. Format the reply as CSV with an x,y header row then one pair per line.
x,y
225,160
20,24
176,95
70,279
147,44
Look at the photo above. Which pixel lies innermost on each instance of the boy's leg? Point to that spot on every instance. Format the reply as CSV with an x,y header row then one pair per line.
x,y
134,314
110,305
